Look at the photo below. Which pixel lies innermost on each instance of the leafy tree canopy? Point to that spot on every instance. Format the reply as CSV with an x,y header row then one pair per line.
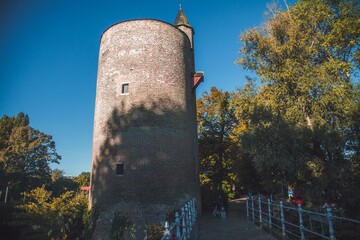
x,y
302,123
217,144
63,217
25,155
83,179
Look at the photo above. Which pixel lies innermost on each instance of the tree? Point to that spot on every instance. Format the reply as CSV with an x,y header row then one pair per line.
x,y
59,217
83,179
244,103
61,184
25,154
307,58
217,144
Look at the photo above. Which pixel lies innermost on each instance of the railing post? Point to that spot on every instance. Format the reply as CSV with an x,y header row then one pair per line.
x,y
183,223
191,214
195,208
192,220
301,222
195,212
190,217
247,208
269,212
187,222
166,231
260,218
192,210
331,224
177,224
252,209
282,219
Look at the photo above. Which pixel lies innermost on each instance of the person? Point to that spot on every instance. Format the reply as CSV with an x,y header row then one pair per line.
x,y
222,212
216,211
219,209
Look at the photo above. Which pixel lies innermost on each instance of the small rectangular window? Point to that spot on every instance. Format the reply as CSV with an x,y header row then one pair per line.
x,y
125,88
119,168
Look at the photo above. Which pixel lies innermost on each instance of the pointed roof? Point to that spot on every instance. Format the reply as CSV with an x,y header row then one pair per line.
x,y
181,18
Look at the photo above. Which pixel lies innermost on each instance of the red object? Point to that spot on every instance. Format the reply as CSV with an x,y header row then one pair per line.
x,y
299,200
198,78
87,189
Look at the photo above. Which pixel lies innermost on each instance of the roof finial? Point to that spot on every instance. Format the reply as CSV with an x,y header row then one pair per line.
x,y
181,19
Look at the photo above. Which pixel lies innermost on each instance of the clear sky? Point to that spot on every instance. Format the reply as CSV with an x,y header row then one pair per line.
x,y
49,53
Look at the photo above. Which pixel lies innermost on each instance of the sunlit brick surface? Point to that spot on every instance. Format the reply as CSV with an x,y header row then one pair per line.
x,y
152,129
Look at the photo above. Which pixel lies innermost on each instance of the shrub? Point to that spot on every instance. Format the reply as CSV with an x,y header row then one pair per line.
x,y
58,217
154,231
122,227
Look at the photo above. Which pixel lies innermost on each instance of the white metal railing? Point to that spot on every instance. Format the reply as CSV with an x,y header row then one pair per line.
x,y
183,223
294,221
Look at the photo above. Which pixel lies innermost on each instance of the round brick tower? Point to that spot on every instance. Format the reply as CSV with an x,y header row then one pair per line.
x,y
144,159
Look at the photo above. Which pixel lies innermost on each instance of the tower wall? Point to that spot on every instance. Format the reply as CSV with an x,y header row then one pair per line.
x,y
151,130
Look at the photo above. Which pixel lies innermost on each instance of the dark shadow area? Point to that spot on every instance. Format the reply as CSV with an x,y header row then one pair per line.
x,y
155,144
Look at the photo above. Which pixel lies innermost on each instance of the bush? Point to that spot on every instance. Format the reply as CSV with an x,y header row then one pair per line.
x,y
122,227
7,229
154,232
58,217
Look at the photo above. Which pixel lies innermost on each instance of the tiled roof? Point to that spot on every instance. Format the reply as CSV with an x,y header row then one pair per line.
x,y
181,19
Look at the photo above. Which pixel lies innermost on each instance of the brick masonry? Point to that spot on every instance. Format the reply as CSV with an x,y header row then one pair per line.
x,y
151,129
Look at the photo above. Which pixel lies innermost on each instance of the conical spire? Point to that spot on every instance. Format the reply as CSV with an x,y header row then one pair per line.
x,y
181,18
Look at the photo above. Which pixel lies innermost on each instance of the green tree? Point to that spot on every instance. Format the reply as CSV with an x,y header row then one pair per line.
x,y
307,58
270,142
83,179
59,217
243,102
217,143
61,184
25,155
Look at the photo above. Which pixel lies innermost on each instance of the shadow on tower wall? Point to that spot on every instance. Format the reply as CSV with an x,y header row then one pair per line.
x,y
155,143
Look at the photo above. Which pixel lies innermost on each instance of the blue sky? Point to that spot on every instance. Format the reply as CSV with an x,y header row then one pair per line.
x,y
49,53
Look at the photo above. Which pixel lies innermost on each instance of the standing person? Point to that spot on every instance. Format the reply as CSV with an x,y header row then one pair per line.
x,y
217,208
221,207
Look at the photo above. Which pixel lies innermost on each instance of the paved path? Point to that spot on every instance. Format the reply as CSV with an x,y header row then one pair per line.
x,y
234,227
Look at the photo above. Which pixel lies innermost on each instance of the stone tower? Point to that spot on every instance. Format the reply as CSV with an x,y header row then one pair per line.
x,y
144,159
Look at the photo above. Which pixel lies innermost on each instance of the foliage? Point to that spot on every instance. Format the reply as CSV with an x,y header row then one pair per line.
x,y
244,103
59,217
154,232
83,179
217,145
89,219
25,155
61,184
122,227
6,217
301,126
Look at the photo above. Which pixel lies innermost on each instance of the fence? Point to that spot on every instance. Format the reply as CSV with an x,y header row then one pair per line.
x,y
295,222
183,223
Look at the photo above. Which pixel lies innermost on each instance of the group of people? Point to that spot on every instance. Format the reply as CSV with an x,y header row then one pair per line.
x,y
219,209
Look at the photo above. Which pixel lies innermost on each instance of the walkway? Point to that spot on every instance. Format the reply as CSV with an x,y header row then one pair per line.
x,y
234,227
